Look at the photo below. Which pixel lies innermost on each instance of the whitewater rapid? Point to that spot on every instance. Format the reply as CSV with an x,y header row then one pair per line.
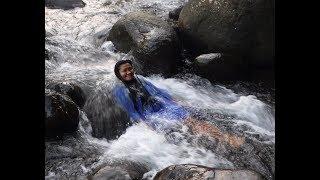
x,y
77,57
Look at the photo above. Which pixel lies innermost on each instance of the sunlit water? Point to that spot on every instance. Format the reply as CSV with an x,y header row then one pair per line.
x,y
75,56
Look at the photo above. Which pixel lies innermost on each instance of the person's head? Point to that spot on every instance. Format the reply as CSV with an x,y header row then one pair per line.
x,y
124,70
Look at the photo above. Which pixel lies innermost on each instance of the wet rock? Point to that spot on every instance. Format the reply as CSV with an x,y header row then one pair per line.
x,y
111,173
152,41
100,37
190,171
108,120
244,150
174,14
113,12
72,90
61,114
221,67
136,170
263,92
252,154
64,4
107,3
69,156
264,75
241,27
50,55
46,54
122,169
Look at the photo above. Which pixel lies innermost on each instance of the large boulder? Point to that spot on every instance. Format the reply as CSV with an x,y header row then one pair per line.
x,y
153,42
244,150
70,89
61,114
237,27
108,120
190,171
64,4
252,155
221,67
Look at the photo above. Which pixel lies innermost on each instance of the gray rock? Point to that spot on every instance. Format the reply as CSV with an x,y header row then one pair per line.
x,y
206,58
152,41
61,114
107,3
252,154
72,90
113,12
114,173
174,14
221,67
121,169
100,37
64,4
108,120
190,171
242,27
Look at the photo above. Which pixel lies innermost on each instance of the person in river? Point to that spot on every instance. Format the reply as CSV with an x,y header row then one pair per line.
x,y
141,99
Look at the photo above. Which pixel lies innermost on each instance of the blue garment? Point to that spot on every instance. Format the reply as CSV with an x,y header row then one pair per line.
x,y
165,108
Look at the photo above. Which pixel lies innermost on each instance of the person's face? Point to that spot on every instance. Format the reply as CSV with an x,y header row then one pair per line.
x,y
126,71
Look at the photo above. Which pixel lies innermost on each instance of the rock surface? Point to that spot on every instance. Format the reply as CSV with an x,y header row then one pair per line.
x,y
238,28
152,41
64,4
70,89
190,171
120,169
107,119
61,114
221,67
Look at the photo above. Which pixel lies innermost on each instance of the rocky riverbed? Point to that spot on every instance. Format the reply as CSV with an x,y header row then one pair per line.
x,y
215,57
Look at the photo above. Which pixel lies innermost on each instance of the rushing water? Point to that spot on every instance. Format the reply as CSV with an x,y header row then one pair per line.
x,y
78,54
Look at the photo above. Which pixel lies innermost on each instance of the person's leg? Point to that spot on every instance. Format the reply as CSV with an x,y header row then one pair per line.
x,y
205,128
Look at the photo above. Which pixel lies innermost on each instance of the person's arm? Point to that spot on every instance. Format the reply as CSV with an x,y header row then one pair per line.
x,y
156,90
125,102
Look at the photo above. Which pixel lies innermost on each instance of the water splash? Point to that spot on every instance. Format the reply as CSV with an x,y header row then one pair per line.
x,y
142,144
76,57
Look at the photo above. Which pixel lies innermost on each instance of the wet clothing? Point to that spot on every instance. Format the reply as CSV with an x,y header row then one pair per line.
x,y
137,92
142,99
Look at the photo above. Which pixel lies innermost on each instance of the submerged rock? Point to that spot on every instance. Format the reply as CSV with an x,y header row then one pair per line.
x,y
64,4
190,171
71,90
61,114
153,42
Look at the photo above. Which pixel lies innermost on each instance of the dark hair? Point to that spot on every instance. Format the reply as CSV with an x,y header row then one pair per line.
x,y
117,66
